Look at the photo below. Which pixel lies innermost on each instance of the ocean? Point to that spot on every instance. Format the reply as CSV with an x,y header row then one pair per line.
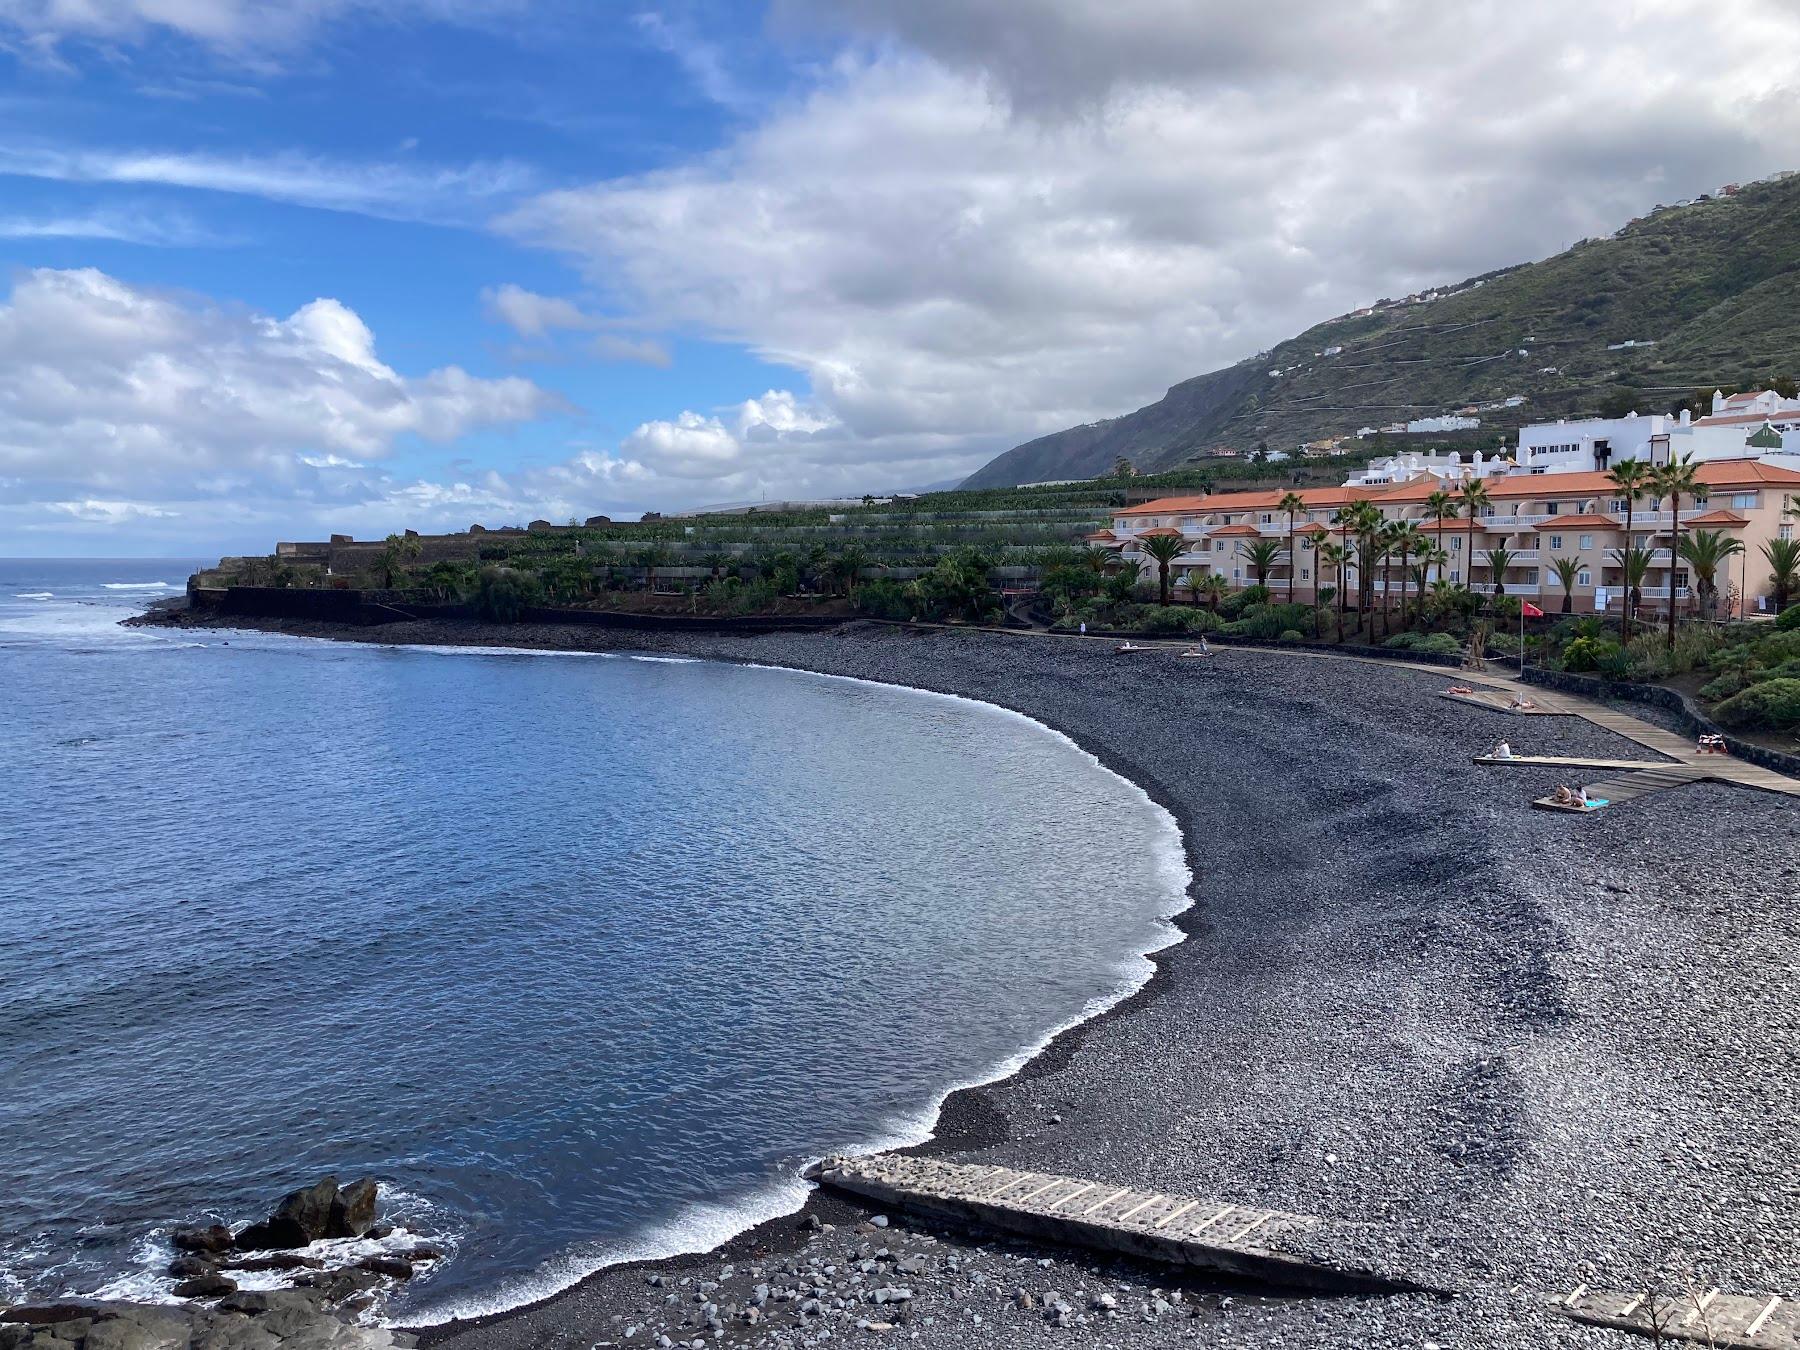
x,y
583,957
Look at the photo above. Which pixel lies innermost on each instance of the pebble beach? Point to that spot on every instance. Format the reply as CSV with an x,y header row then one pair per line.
x,y
1500,1053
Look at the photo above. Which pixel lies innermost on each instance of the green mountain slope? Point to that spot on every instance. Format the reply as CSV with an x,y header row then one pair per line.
x,y
1714,286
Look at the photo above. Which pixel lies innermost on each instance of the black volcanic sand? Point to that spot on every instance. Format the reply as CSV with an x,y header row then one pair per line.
x,y
1505,1050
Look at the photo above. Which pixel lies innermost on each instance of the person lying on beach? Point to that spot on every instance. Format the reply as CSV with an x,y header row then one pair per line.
x,y
1128,647
1713,744
1520,701
1459,689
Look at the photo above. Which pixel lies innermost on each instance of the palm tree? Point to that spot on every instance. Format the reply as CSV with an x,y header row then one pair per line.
x,y
1430,556
1473,498
1706,551
1362,523
848,566
650,558
1499,559
1441,509
1567,569
1262,556
1671,480
397,550
1408,540
1634,566
1162,549
1337,556
716,563
1212,586
1293,504
1629,477
1783,556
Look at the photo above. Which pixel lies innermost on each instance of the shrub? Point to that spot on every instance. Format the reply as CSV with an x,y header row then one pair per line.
x,y
1234,605
1778,648
1403,642
1291,635
1439,644
1773,705
503,593
1587,653
1724,686
1269,621
1176,619
883,598
1789,620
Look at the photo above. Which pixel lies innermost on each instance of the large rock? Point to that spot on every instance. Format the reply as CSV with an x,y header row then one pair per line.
x,y
353,1211
300,1217
214,1285
212,1238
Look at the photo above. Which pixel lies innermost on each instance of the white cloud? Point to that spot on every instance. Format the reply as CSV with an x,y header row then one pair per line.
x,y
399,191
154,229
136,395
239,27
95,512
529,314
1011,219
643,352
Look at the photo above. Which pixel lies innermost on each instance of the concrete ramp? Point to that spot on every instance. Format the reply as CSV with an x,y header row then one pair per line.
x,y
1750,1321
1211,1235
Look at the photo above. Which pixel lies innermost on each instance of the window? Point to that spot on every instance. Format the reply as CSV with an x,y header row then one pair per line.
x,y
1455,576
1550,508
1531,576
1237,574
1456,543
1305,575
1785,532
1616,504
1267,518
1555,542
1743,501
1584,578
1587,541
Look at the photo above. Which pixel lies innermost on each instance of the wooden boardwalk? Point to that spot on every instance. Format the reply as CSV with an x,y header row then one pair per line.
x,y
1180,1230
1712,1318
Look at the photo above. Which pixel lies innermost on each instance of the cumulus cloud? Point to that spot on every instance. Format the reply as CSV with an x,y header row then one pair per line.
x,y
541,317
136,395
992,220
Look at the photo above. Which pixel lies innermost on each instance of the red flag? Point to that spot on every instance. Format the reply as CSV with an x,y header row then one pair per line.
x,y
1530,610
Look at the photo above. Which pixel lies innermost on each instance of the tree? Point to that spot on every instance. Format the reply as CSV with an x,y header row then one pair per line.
x,y
1706,551
1293,504
1783,557
396,551
1362,523
651,557
1261,556
503,593
1499,559
1473,498
1162,549
1629,476
716,563
1441,508
848,566
1431,556
1212,586
1408,539
1669,481
1122,468
1634,566
1337,556
1567,569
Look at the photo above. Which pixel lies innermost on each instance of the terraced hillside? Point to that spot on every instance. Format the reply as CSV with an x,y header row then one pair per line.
x,y
1707,294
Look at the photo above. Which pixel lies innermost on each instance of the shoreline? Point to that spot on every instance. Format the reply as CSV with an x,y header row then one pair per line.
x,y
1508,1005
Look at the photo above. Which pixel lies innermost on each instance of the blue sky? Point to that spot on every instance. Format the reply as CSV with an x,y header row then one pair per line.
x,y
277,268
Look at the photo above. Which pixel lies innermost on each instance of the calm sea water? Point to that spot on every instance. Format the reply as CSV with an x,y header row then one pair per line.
x,y
582,956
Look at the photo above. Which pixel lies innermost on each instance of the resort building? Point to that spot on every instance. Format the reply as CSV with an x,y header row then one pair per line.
x,y
1761,425
1532,522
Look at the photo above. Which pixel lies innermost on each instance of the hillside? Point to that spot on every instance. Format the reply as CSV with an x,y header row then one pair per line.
x,y
1714,285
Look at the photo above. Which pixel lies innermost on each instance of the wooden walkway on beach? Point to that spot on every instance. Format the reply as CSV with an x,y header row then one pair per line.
x,y
1180,1230
1713,1318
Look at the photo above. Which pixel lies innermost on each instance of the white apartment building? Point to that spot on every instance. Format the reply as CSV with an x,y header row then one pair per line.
x,y
1408,465
1761,425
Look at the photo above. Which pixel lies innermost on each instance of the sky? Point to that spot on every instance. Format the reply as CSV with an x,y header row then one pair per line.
x,y
280,268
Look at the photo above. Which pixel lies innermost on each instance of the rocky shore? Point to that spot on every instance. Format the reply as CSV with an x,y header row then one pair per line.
x,y
1501,1052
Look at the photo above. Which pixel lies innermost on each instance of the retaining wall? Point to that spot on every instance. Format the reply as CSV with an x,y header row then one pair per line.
x,y
1660,696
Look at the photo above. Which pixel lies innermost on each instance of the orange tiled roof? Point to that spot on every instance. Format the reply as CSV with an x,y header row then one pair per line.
x,y
1739,419
1234,529
1162,532
1316,499
1586,521
1723,519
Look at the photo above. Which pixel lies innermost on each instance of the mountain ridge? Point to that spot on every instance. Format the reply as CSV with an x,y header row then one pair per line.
x,y
1689,296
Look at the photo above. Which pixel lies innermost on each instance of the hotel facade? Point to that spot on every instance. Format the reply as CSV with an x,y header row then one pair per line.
x,y
1532,520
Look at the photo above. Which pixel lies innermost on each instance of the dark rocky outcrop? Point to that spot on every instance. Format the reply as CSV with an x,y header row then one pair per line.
x,y
321,1210
211,1238
211,1285
245,1320
391,1266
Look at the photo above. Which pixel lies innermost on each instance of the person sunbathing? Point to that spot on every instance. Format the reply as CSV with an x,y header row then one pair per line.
x,y
1563,796
1459,689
